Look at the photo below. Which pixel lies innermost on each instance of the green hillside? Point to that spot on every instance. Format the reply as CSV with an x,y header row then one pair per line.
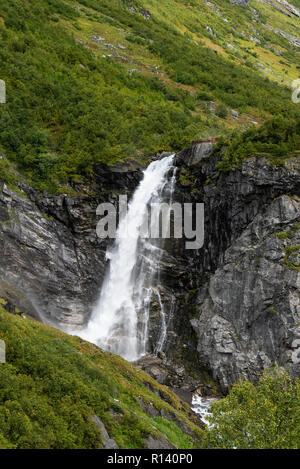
x,y
53,385
104,80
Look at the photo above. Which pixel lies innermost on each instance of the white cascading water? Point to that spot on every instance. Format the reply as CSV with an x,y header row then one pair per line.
x,y
202,407
119,322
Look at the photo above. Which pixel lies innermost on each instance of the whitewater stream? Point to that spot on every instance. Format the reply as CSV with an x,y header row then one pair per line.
x,y
119,322
202,406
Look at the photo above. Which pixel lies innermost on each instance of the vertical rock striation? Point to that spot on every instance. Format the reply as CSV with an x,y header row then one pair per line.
x,y
247,305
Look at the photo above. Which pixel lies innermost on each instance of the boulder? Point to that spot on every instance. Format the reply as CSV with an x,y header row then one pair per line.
x,y
2,352
243,3
158,443
108,443
234,113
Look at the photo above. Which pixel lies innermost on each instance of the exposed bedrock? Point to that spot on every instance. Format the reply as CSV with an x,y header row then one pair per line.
x,y
52,262
246,309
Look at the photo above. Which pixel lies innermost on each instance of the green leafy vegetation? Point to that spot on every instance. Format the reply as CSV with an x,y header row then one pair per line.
x,y
53,384
7,173
257,417
277,139
282,235
222,111
69,105
292,257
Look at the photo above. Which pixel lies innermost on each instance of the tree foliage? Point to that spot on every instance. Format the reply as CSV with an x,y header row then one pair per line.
x,y
262,416
68,109
277,139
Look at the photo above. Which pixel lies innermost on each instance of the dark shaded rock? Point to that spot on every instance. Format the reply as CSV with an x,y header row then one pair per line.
x,y
158,373
194,154
172,374
4,216
52,263
183,394
245,308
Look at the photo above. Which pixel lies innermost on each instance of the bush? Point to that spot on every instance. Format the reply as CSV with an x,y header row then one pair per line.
x,y
277,139
222,111
257,417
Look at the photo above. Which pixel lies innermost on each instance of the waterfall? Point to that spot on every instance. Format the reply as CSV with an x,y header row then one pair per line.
x,y
119,322
164,324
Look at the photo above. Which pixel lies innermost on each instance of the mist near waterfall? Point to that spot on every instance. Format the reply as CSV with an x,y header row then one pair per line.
x,y
119,322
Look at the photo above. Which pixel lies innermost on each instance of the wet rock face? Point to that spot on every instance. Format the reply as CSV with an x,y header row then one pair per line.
x,y
249,311
247,305
52,262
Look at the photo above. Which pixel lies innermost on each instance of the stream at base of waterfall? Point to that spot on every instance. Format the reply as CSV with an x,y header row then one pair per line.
x,y
202,406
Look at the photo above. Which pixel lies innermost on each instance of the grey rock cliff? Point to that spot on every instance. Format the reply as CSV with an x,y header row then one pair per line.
x,y
52,263
246,309
249,311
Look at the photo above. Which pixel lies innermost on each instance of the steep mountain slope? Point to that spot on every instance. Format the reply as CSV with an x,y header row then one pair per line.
x,y
232,307
247,31
60,392
92,83
101,80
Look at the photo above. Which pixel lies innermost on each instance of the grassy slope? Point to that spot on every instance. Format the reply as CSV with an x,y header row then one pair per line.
x,y
236,31
52,383
73,101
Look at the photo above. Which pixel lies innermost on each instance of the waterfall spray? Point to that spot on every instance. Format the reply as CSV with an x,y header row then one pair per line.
x,y
119,322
